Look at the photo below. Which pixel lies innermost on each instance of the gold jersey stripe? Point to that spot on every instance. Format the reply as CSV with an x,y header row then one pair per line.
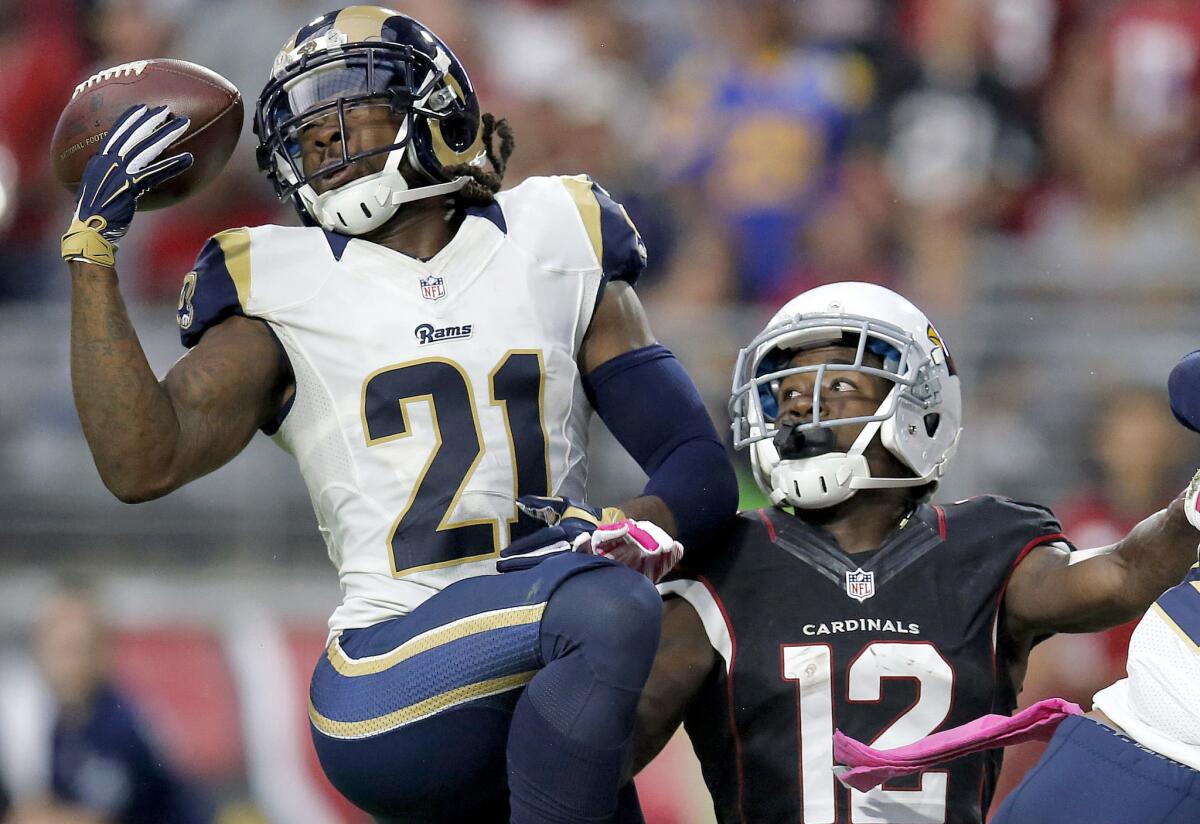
x,y
1175,627
514,616
580,189
235,244
421,709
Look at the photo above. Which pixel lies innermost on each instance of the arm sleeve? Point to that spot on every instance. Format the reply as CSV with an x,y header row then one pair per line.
x,y
217,288
675,443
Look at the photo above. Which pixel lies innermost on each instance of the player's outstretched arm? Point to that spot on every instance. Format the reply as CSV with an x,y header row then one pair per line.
x,y
1053,590
684,660
653,409
149,437
618,327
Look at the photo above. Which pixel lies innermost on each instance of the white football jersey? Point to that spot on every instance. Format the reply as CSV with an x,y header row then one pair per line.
x,y
1158,705
429,394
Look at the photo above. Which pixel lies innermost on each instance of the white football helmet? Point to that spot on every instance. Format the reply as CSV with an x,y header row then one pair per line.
x,y
919,420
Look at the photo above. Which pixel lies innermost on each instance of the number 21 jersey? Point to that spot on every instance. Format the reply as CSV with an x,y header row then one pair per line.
x,y
889,646
428,393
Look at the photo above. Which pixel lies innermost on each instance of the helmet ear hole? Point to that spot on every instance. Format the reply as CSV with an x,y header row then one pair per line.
x,y
931,423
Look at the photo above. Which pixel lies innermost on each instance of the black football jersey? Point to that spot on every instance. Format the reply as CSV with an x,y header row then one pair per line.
x,y
888,646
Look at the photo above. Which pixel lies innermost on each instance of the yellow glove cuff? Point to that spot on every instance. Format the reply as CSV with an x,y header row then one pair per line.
x,y
611,515
608,515
83,241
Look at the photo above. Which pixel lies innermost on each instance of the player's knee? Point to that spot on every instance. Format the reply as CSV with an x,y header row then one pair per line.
x,y
611,614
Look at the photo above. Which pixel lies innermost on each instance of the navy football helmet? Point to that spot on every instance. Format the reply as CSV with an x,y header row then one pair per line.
x,y
367,55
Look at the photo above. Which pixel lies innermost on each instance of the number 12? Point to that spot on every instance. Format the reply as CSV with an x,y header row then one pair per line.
x,y
811,666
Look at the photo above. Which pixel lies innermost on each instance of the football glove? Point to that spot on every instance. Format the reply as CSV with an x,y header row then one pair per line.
x,y
566,520
125,167
579,527
640,545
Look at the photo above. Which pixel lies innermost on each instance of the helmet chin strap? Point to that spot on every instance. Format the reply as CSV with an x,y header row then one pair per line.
x,y
376,195
860,445
847,470
422,192
841,468
400,192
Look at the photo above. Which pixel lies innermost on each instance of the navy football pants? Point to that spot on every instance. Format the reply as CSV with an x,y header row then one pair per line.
x,y
415,719
1092,775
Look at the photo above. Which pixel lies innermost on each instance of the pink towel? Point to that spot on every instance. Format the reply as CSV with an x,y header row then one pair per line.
x,y
870,767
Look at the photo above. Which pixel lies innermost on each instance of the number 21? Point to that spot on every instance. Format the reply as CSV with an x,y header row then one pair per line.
x,y
423,536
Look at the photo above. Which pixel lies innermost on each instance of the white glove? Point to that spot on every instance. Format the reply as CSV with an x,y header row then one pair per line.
x,y
640,545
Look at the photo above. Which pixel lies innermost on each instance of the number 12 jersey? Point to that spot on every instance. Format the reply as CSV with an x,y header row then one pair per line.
x,y
889,646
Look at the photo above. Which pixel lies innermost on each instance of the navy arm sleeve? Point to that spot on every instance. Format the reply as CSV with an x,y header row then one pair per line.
x,y
653,409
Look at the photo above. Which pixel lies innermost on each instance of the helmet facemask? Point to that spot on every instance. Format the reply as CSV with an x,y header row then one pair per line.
x,y
330,83
796,462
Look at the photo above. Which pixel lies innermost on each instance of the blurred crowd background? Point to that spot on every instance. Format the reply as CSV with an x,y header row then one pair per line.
x,y
1024,170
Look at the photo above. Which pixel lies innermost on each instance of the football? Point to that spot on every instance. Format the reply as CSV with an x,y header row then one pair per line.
x,y
188,90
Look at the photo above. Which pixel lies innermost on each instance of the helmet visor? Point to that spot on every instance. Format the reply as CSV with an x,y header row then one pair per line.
x,y
326,86
340,79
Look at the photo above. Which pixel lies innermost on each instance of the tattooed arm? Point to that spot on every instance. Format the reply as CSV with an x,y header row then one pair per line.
x,y
149,437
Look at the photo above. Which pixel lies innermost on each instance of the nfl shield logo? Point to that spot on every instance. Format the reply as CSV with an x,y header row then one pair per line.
x,y
860,585
433,288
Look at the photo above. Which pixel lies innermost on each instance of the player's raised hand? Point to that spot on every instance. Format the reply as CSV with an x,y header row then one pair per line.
x,y
126,167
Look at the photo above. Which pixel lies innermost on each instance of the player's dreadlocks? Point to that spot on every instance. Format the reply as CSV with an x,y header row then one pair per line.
x,y
484,183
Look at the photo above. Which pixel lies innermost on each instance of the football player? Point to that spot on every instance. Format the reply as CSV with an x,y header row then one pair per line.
x,y
1144,767
855,603
1136,756
429,349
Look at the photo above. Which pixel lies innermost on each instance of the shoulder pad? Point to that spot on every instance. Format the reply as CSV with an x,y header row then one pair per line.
x,y
615,240
254,271
571,222
217,288
1003,523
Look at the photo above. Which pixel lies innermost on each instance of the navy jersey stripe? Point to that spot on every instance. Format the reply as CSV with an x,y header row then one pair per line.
x,y
623,254
211,291
615,242
492,212
1182,605
337,243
